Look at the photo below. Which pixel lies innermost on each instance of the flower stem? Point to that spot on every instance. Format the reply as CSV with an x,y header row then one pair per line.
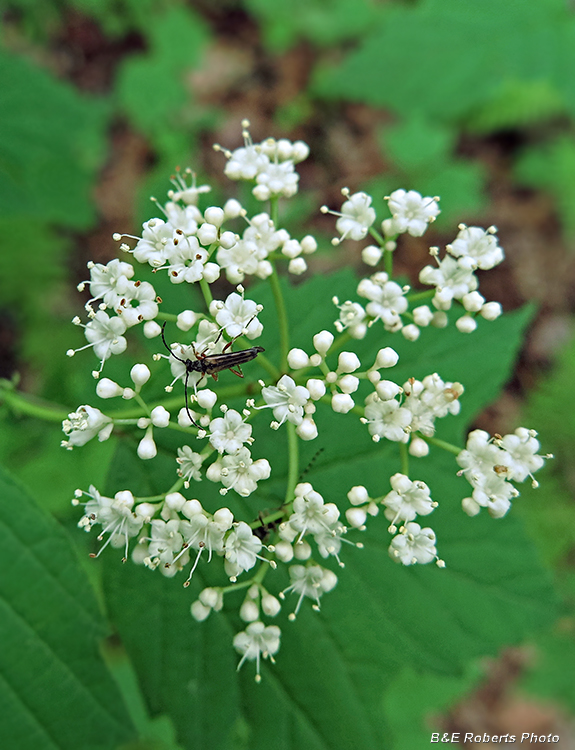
x,y
21,403
293,462
404,457
282,319
449,447
427,294
207,292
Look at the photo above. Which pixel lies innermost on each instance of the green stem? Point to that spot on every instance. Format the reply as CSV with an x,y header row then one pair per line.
x,y
21,403
449,447
428,294
377,236
293,462
404,457
207,292
282,318
388,262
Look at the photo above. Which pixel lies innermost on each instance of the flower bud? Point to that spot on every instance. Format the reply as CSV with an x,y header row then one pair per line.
x,y
322,342
466,324
308,244
186,320
175,501
228,240
140,374
207,398
470,506
214,215
199,611
440,319
342,403
302,550
211,597
307,430
387,389
410,332
232,209
418,447
473,301
224,518
145,511
349,383
146,447
358,495
152,329
160,416
491,310
283,551
371,255
249,611
356,517
297,266
387,357
297,359
106,388
211,272
316,388
348,362
422,316
291,249
270,605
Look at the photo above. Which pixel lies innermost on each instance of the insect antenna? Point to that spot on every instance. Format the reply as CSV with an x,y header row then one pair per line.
x,y
169,348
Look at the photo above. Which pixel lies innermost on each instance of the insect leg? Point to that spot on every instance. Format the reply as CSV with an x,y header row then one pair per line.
x,y
192,420
237,371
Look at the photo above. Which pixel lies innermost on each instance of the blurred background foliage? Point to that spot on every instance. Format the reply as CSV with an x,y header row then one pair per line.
x,y
474,102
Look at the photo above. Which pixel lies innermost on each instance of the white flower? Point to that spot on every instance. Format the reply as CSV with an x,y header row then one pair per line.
x,y
155,245
430,399
478,245
186,261
286,400
115,515
238,315
239,472
452,279
387,299
356,216
411,212
189,464
413,545
276,179
183,219
105,335
387,419
256,640
245,163
310,514
143,295
311,581
110,282
187,193
166,542
230,432
522,447
407,499
239,260
242,547
84,424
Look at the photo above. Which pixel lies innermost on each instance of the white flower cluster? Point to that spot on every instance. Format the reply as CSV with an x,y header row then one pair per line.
x,y
490,465
174,533
453,278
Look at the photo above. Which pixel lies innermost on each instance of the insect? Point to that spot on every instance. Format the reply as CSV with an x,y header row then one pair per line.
x,y
211,364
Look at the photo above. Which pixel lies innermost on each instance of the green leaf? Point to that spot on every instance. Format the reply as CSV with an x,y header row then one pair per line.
x,y
51,143
55,690
323,22
329,685
151,87
419,58
551,167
